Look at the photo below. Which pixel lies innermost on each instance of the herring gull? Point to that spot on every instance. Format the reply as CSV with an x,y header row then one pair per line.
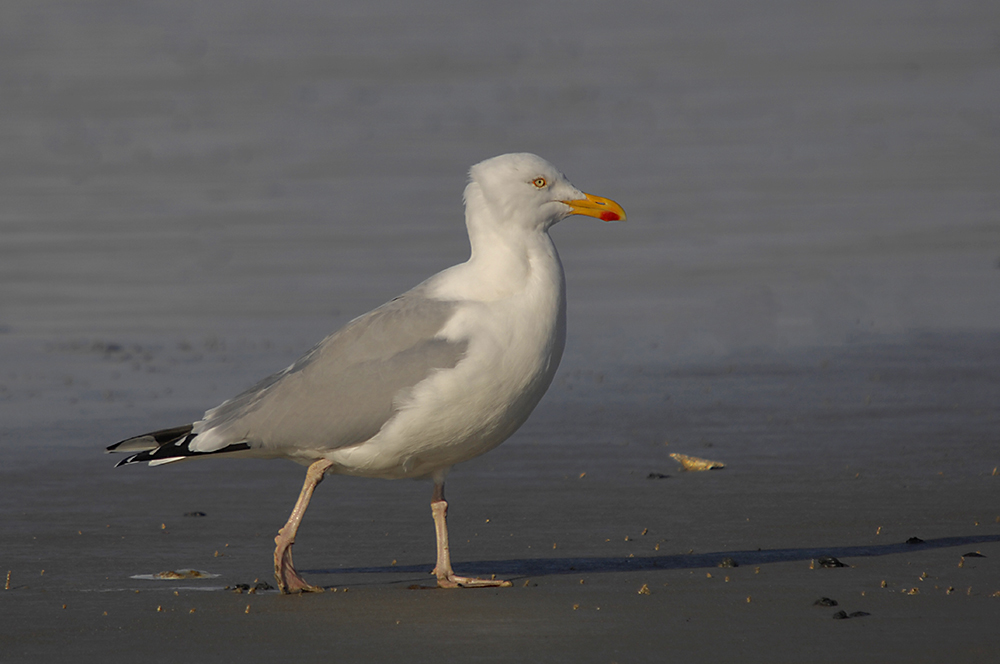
x,y
437,376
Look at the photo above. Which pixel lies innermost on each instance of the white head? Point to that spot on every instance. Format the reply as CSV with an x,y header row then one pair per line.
x,y
524,190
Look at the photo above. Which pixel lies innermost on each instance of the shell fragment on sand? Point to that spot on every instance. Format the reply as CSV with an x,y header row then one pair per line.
x,y
695,463
174,575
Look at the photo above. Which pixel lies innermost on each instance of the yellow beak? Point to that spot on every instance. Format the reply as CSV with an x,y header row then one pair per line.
x,y
604,209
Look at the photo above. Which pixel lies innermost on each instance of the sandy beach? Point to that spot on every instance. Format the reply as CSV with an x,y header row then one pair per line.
x,y
807,290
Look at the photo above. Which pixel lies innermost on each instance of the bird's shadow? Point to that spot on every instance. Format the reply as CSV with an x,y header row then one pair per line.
x,y
535,567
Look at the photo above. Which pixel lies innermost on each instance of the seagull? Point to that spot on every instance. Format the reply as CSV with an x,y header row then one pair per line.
x,y
437,376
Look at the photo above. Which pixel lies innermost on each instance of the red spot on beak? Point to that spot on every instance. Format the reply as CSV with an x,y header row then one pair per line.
x,y
609,216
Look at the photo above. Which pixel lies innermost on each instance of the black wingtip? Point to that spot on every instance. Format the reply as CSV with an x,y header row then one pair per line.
x,y
176,450
126,461
153,440
170,449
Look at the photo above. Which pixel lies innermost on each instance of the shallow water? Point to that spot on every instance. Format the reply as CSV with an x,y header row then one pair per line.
x,y
791,176
807,288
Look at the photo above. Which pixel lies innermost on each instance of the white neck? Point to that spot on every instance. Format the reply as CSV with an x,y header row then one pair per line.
x,y
504,261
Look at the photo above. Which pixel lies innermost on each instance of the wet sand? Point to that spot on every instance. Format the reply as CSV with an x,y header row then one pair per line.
x,y
848,453
806,290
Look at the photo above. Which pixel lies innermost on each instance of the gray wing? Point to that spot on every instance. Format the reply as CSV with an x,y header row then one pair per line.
x,y
343,390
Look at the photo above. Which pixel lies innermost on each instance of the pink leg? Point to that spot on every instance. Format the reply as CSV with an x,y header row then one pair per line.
x,y
445,576
288,579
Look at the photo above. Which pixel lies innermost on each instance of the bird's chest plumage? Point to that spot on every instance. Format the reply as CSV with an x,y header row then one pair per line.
x,y
520,344
514,347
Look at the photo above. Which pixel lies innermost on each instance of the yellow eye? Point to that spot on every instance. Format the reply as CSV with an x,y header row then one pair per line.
x,y
539,182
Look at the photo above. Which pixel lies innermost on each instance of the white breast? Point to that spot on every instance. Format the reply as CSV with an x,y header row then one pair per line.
x,y
516,336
